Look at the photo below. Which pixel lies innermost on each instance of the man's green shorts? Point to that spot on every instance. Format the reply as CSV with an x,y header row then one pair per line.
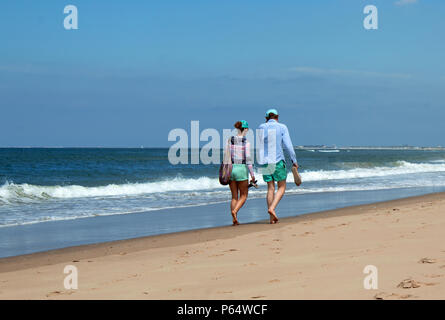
x,y
279,174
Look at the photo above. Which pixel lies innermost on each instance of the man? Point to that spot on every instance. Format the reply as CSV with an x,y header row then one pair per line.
x,y
273,137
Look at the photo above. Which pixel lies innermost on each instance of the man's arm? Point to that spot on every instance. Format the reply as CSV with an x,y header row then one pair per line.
x,y
287,142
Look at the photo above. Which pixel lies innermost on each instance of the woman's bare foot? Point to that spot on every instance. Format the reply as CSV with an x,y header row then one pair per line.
x,y
273,216
235,220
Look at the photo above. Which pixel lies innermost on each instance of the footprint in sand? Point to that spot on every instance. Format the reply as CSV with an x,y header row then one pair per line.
x,y
257,297
56,293
408,284
177,261
412,284
429,284
433,275
339,225
53,293
275,250
251,264
392,296
216,255
427,260
274,281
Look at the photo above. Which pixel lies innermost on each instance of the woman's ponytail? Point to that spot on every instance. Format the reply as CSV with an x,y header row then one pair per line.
x,y
239,125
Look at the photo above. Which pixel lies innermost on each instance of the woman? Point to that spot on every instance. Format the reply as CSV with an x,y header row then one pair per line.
x,y
242,166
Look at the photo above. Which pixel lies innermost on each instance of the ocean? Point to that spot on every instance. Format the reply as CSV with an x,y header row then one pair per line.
x,y
41,186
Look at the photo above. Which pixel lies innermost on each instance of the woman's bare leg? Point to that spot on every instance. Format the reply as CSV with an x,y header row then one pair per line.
x,y
234,189
243,187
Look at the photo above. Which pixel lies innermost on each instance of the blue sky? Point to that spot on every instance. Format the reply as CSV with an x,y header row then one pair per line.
x,y
134,70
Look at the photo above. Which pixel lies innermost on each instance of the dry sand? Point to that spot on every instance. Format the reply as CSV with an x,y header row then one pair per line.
x,y
315,256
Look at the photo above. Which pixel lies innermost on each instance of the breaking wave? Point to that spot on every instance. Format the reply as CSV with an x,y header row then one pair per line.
x,y
22,193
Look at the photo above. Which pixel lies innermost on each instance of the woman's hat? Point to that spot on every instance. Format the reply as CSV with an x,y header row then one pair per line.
x,y
244,124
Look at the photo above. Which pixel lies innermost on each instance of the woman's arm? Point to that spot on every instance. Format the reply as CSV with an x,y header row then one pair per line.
x,y
249,161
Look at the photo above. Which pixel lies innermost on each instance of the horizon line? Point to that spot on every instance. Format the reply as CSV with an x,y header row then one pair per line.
x,y
311,146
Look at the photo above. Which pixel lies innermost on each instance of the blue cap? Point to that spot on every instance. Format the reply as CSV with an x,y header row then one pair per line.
x,y
244,124
274,111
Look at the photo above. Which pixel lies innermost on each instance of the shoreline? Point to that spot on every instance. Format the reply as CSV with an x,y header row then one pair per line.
x,y
166,240
318,255
54,235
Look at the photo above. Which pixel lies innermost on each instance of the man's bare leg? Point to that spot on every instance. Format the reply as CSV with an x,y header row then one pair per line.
x,y
270,197
276,199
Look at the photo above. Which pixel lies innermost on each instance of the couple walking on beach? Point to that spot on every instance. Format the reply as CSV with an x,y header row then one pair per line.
x,y
273,137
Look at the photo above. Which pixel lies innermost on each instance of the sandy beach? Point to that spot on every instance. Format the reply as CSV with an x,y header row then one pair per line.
x,y
314,256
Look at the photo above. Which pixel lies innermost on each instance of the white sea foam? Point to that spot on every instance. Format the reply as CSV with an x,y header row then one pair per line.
x,y
27,192
80,213
401,167
22,193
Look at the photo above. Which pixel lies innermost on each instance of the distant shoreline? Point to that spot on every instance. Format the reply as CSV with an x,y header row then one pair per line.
x,y
439,148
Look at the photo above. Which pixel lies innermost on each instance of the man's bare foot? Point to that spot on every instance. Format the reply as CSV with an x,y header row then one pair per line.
x,y
235,220
273,216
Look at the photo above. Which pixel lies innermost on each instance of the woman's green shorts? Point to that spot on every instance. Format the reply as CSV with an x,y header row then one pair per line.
x,y
239,172
279,174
